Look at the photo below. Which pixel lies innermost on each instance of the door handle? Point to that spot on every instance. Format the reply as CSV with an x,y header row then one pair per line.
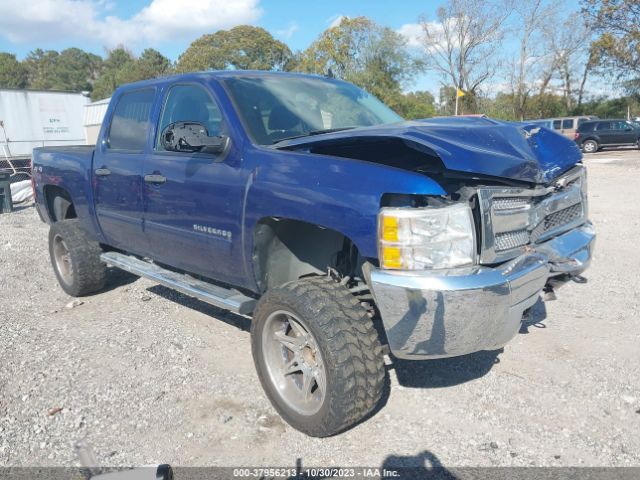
x,y
155,178
102,172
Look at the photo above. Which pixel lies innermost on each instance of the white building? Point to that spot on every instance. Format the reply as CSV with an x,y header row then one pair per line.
x,y
93,115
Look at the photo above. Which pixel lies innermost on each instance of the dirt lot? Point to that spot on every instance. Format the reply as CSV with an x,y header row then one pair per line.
x,y
146,375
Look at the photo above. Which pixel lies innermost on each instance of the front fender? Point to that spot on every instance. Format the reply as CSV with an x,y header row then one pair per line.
x,y
337,193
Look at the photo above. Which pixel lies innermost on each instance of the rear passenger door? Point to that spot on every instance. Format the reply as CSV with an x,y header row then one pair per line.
x,y
117,174
193,214
605,133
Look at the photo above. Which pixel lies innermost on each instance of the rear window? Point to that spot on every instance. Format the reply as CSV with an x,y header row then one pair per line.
x,y
586,126
131,121
567,123
603,126
557,124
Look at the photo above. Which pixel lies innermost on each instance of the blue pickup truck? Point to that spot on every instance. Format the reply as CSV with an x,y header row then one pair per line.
x,y
342,229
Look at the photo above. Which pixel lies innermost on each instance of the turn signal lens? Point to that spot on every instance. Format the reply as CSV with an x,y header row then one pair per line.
x,y
390,229
392,257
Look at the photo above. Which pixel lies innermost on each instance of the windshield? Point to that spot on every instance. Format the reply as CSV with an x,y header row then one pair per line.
x,y
276,107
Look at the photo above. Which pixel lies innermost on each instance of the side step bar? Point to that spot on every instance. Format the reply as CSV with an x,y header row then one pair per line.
x,y
218,296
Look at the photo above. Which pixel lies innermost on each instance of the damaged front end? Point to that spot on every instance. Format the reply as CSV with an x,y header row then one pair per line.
x,y
530,240
524,192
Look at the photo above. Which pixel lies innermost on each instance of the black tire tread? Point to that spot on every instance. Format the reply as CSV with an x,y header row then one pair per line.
x,y
88,271
350,334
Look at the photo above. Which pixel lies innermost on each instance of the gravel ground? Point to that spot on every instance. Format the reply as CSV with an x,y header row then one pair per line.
x,y
146,375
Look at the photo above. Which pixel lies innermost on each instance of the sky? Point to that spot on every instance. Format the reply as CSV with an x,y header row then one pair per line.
x,y
171,25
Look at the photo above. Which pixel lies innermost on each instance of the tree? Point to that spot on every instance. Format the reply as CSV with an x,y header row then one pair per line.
x,y
416,105
40,65
568,41
243,47
360,51
617,48
12,73
122,67
151,64
72,69
76,70
462,45
113,73
528,66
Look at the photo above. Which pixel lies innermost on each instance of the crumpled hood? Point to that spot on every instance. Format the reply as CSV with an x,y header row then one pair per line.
x,y
482,146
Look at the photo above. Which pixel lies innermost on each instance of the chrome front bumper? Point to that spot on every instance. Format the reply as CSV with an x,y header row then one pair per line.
x,y
461,311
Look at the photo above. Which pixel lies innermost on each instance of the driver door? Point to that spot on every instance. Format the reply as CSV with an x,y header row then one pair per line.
x,y
193,201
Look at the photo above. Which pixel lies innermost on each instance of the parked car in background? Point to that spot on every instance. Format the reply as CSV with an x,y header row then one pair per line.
x,y
543,123
591,136
566,126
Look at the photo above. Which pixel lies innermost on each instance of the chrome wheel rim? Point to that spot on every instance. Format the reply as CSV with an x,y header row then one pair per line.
x,y
294,362
62,257
589,147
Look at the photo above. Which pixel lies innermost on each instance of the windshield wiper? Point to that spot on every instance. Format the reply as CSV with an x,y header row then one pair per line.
x,y
314,132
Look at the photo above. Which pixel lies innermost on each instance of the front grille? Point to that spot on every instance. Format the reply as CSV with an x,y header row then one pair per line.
x,y
507,203
509,240
556,220
513,218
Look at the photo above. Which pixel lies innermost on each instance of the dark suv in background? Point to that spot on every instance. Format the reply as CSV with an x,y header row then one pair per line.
x,y
595,134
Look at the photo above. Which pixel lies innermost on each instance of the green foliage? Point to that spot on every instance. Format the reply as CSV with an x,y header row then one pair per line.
x,y
151,64
12,73
115,72
243,47
40,65
357,50
76,70
611,108
618,46
369,55
122,67
72,69
416,105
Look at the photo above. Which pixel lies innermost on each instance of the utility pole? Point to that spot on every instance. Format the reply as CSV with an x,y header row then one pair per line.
x,y
457,97
459,93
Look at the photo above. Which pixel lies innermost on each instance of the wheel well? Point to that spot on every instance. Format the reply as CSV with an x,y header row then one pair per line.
x,y
59,203
285,250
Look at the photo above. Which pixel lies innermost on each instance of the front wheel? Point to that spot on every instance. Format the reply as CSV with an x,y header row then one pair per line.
x,y
317,355
590,146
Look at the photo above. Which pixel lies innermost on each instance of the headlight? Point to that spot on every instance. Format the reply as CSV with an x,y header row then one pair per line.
x,y
426,238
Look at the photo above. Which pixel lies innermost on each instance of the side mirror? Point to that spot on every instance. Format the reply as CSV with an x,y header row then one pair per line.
x,y
191,137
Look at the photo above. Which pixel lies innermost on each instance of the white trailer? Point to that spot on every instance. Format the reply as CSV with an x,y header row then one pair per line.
x,y
30,118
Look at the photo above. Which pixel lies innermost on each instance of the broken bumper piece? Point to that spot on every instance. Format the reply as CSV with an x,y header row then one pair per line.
x,y
431,314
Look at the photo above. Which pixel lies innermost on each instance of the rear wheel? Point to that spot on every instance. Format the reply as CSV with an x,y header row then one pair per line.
x,y
590,146
317,355
75,259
